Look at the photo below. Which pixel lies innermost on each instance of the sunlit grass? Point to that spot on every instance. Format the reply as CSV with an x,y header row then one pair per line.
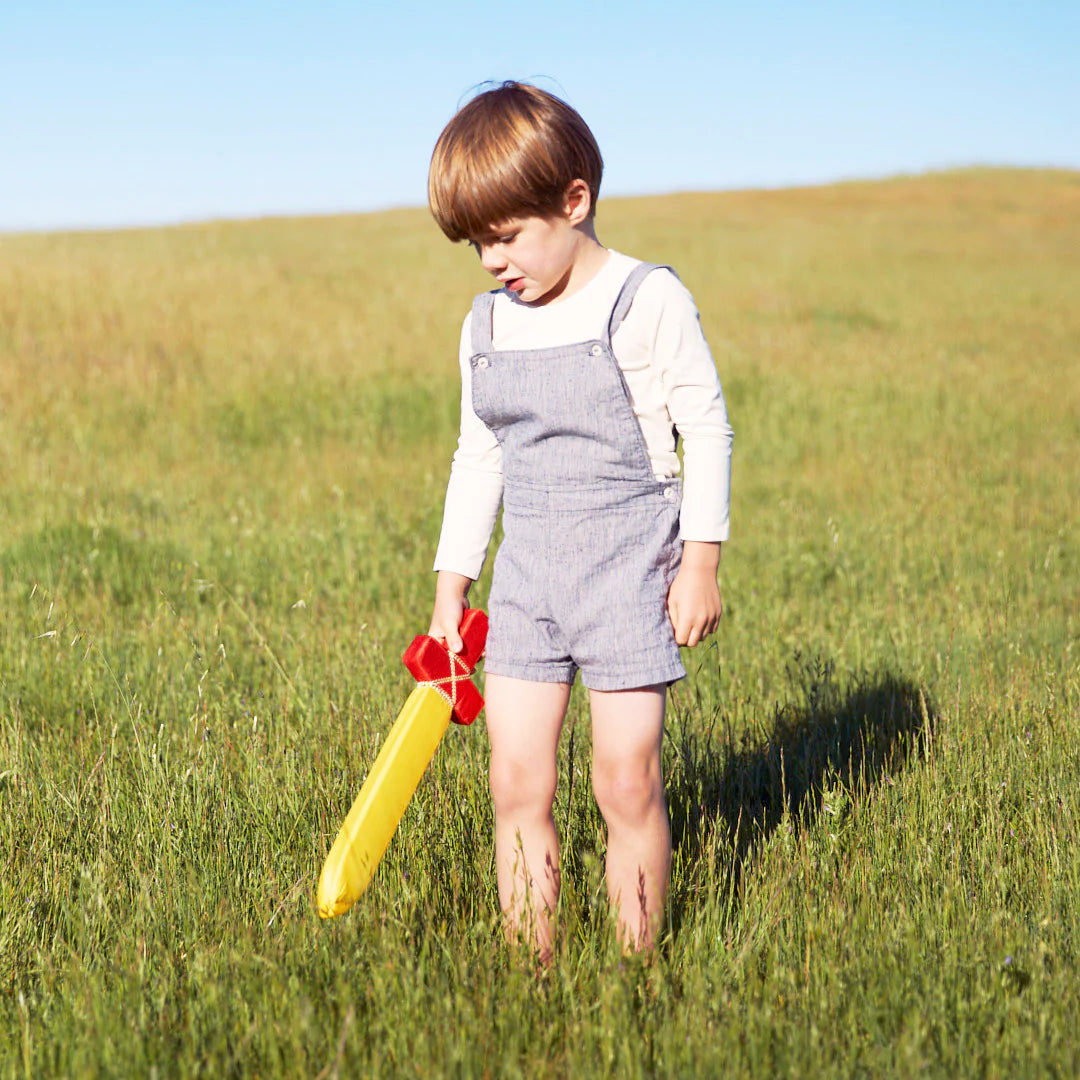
x,y
223,452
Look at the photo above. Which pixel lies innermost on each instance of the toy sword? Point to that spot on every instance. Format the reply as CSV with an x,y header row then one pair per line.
x,y
445,692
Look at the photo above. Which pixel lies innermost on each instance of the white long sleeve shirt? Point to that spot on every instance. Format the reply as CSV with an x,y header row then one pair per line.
x,y
673,387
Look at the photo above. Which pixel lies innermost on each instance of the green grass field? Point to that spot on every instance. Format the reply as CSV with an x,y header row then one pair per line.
x,y
223,450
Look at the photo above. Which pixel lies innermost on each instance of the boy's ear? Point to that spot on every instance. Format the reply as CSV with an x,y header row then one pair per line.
x,y
577,204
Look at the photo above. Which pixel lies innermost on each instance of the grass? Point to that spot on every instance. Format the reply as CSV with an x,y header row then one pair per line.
x,y
224,448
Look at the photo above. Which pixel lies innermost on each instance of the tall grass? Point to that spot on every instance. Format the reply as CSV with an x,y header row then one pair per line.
x,y
223,450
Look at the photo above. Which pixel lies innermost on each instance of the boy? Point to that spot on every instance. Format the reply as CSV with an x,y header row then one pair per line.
x,y
576,375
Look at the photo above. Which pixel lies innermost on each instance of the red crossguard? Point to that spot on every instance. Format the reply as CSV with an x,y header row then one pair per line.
x,y
432,664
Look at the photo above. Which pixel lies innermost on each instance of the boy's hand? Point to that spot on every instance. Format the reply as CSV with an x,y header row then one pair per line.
x,y
694,604
451,600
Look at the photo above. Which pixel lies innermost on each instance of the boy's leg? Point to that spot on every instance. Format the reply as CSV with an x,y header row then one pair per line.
x,y
627,728
524,720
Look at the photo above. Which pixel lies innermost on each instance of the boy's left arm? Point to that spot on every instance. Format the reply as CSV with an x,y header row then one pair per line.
x,y
695,403
694,602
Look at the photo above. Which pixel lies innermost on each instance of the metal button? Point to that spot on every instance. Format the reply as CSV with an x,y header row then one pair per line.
x,y
669,494
481,362
596,350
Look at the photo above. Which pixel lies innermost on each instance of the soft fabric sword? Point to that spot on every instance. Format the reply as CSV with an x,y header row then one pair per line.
x,y
445,691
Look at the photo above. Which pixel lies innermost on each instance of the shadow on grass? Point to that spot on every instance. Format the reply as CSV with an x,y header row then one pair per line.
x,y
829,735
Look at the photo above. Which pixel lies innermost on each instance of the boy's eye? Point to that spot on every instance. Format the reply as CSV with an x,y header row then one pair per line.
x,y
491,241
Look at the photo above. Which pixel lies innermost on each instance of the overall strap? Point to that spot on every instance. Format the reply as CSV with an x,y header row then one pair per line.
x,y
482,308
626,296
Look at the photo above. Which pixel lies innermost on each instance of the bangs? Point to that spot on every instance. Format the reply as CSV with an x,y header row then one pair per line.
x,y
479,188
511,152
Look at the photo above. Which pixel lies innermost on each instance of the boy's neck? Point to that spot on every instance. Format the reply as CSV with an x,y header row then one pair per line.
x,y
589,259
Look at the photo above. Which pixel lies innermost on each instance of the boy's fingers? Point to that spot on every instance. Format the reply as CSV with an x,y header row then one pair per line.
x,y
676,628
693,632
450,637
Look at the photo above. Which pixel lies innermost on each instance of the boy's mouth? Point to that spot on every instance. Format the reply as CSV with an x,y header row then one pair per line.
x,y
514,284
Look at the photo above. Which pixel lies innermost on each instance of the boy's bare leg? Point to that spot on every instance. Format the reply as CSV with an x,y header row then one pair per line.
x,y
627,728
524,720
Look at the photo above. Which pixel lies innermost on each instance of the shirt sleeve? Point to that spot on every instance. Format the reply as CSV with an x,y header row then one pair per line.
x,y
695,402
474,493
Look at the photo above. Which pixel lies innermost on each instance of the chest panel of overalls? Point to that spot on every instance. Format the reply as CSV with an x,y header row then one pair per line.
x,y
562,416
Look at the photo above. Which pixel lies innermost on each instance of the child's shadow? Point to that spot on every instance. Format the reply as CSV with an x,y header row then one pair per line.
x,y
829,736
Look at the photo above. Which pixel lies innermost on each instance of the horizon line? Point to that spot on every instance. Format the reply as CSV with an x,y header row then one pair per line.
x,y
301,215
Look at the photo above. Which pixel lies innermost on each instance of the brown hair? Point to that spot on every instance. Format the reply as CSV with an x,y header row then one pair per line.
x,y
511,151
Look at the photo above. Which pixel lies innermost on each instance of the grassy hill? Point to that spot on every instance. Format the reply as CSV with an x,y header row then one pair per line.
x,y
223,450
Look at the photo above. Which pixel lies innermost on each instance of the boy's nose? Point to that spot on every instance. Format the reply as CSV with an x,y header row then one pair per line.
x,y
492,261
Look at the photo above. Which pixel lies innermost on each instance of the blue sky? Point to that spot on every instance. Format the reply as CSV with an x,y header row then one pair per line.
x,y
122,113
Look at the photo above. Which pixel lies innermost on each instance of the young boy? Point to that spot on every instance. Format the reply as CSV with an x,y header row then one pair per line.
x,y
576,376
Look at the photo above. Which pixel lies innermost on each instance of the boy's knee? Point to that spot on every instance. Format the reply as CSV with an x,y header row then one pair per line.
x,y
628,792
520,786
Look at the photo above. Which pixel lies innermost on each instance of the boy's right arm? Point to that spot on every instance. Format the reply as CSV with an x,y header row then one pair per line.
x,y
473,497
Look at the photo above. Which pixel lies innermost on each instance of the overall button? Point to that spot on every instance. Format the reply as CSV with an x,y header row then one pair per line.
x,y
669,494
596,350
481,362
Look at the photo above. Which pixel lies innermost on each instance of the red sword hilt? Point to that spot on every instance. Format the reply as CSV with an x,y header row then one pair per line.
x,y
432,664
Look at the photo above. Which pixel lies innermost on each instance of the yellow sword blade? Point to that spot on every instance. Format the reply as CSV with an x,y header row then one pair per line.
x,y
375,814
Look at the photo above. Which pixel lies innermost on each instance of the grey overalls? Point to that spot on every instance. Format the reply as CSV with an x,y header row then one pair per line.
x,y
591,537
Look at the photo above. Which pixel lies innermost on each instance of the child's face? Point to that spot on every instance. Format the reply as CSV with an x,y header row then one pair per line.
x,y
533,257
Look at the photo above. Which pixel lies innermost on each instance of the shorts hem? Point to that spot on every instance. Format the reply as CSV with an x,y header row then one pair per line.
x,y
546,673
633,680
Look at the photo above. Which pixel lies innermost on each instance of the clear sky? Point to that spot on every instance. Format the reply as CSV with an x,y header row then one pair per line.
x,y
116,112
